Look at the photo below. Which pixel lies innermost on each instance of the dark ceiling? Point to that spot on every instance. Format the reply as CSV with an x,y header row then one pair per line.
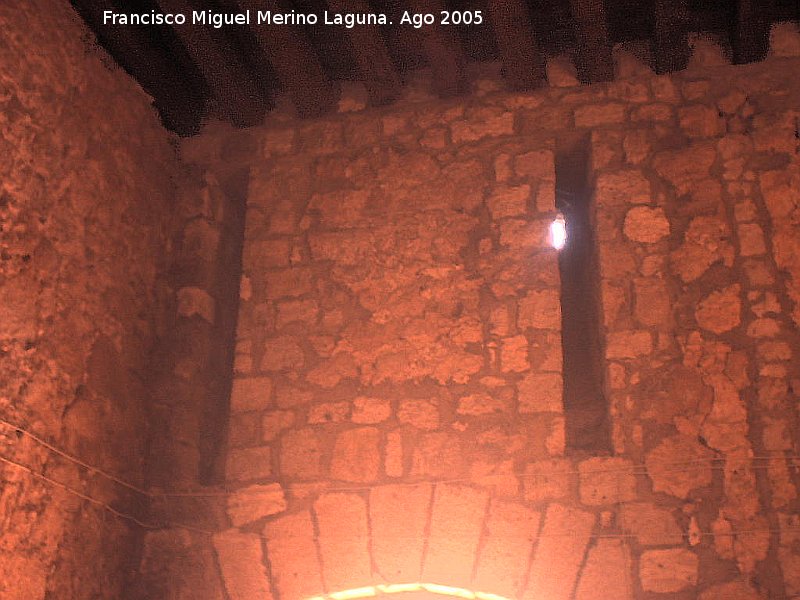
x,y
240,68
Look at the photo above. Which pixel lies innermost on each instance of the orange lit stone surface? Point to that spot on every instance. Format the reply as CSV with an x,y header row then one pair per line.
x,y
395,423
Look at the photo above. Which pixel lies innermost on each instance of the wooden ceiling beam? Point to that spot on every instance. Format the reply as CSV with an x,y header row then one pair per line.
x,y
231,82
442,49
178,97
297,66
593,56
750,30
671,35
523,64
372,58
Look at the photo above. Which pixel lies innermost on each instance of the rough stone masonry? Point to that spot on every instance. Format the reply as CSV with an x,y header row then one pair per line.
x,y
396,411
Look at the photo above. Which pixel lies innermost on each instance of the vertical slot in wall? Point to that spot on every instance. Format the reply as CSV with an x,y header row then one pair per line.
x,y
585,405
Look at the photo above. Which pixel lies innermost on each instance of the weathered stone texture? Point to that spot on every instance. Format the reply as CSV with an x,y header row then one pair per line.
x,y
668,570
343,540
456,524
241,564
293,555
87,214
559,554
607,569
255,502
403,298
398,544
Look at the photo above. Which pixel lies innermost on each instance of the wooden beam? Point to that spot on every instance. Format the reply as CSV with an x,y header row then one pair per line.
x,y
594,62
523,64
371,56
443,50
670,35
295,63
178,96
750,30
231,82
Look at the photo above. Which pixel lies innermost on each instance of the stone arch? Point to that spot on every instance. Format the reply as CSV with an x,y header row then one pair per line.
x,y
447,538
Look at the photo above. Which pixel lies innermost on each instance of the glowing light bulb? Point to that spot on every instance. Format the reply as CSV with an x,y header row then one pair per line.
x,y
558,232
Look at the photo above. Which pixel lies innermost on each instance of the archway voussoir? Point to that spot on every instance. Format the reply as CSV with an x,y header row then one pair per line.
x,y
343,540
292,553
510,533
398,518
241,562
456,523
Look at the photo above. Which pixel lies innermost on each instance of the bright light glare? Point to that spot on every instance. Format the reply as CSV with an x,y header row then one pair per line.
x,y
400,588
558,232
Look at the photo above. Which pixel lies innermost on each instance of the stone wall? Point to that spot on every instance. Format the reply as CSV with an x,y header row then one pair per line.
x,y
86,198
396,411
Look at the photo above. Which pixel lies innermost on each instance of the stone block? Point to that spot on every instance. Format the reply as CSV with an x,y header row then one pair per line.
x,y
422,414
651,524
607,570
397,544
244,464
784,40
482,123
541,310
437,455
510,533
343,540
561,72
733,590
255,502
328,412
548,480
606,481
481,404
507,201
330,372
667,571
559,553
457,519
646,225
368,411
681,450
721,310
496,476
701,121
540,392
251,394
621,188
302,311
289,396
685,166
538,165
300,455
514,354
751,240
242,565
394,461
274,422
293,558
597,115
282,353
356,455
259,256
651,301
628,344
292,282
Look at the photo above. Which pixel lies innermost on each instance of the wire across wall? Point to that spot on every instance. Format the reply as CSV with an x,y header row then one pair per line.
x,y
753,463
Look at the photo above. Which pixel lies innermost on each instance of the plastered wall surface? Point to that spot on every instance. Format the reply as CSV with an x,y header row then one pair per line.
x,y
396,412
86,198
